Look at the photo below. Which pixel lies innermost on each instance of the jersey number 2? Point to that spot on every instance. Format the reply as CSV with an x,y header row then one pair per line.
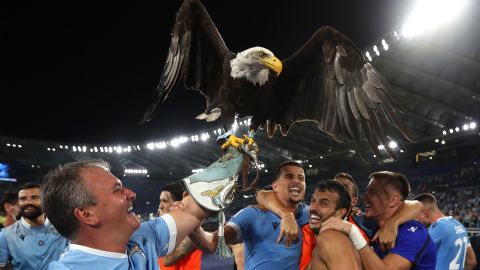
x,y
462,249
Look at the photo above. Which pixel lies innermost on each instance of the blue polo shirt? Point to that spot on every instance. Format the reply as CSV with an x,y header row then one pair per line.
x,y
27,247
259,231
154,238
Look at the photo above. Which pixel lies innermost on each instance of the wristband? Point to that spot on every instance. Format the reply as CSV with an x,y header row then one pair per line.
x,y
357,238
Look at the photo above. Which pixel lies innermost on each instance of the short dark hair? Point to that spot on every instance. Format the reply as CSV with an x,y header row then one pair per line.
x,y
343,200
176,189
29,186
64,190
267,187
426,198
349,177
397,181
10,197
278,170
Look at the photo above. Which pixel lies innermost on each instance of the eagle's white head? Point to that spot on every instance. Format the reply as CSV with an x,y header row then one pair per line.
x,y
253,64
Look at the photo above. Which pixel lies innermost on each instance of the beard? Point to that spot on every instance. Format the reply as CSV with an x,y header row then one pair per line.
x,y
31,214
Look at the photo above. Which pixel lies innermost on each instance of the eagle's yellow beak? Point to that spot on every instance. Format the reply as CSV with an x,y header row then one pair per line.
x,y
273,63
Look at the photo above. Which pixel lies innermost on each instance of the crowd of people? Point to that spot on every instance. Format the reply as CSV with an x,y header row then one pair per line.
x,y
457,192
82,218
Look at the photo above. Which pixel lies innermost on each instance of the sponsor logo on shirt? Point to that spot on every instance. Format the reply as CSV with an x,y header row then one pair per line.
x,y
412,229
275,225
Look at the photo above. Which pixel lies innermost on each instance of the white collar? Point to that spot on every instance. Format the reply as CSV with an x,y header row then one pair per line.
x,y
26,224
99,252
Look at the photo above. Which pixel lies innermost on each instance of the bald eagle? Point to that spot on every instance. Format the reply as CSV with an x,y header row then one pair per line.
x,y
327,81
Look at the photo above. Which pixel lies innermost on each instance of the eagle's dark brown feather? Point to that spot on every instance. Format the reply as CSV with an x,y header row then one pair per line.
x,y
327,81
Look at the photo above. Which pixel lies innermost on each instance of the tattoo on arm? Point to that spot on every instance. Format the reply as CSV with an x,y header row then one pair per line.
x,y
179,252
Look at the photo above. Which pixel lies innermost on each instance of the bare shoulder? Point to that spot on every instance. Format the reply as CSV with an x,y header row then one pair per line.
x,y
334,250
331,238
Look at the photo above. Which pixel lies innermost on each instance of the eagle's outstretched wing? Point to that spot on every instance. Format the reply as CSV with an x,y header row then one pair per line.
x,y
329,81
196,52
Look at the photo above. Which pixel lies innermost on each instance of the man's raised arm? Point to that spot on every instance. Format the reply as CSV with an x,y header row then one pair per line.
x,y
288,225
387,234
208,241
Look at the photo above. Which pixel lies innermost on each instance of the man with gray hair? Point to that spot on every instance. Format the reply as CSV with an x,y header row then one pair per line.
x,y
88,205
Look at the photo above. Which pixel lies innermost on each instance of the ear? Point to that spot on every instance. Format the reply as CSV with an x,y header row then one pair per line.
x,y
425,212
354,202
340,212
8,206
87,216
394,200
274,186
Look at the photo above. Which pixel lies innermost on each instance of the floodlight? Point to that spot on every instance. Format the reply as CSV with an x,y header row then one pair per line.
x,y
429,14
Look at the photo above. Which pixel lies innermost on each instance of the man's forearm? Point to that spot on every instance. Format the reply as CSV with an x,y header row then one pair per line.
x,y
187,218
370,260
270,201
409,210
470,260
185,247
206,241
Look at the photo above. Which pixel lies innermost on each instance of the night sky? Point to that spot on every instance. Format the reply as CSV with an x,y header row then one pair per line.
x,y
87,73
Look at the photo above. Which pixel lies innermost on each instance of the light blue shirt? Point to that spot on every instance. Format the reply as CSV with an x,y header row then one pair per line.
x,y
154,238
259,231
27,247
451,240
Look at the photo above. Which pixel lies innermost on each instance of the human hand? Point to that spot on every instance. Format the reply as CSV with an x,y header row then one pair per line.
x,y
338,224
386,236
343,226
288,229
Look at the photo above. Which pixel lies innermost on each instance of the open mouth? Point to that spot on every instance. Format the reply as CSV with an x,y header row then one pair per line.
x,y
294,190
315,219
130,210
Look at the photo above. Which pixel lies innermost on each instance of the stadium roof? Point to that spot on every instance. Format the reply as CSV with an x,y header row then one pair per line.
x,y
435,73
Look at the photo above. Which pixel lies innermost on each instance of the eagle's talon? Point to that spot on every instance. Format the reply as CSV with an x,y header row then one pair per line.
x,y
232,141
248,140
236,142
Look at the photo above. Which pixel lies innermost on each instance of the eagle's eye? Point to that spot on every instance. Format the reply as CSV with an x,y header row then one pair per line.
x,y
262,54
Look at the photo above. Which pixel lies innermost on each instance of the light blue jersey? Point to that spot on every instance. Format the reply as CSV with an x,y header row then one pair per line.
x,y
451,240
259,231
154,238
27,247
